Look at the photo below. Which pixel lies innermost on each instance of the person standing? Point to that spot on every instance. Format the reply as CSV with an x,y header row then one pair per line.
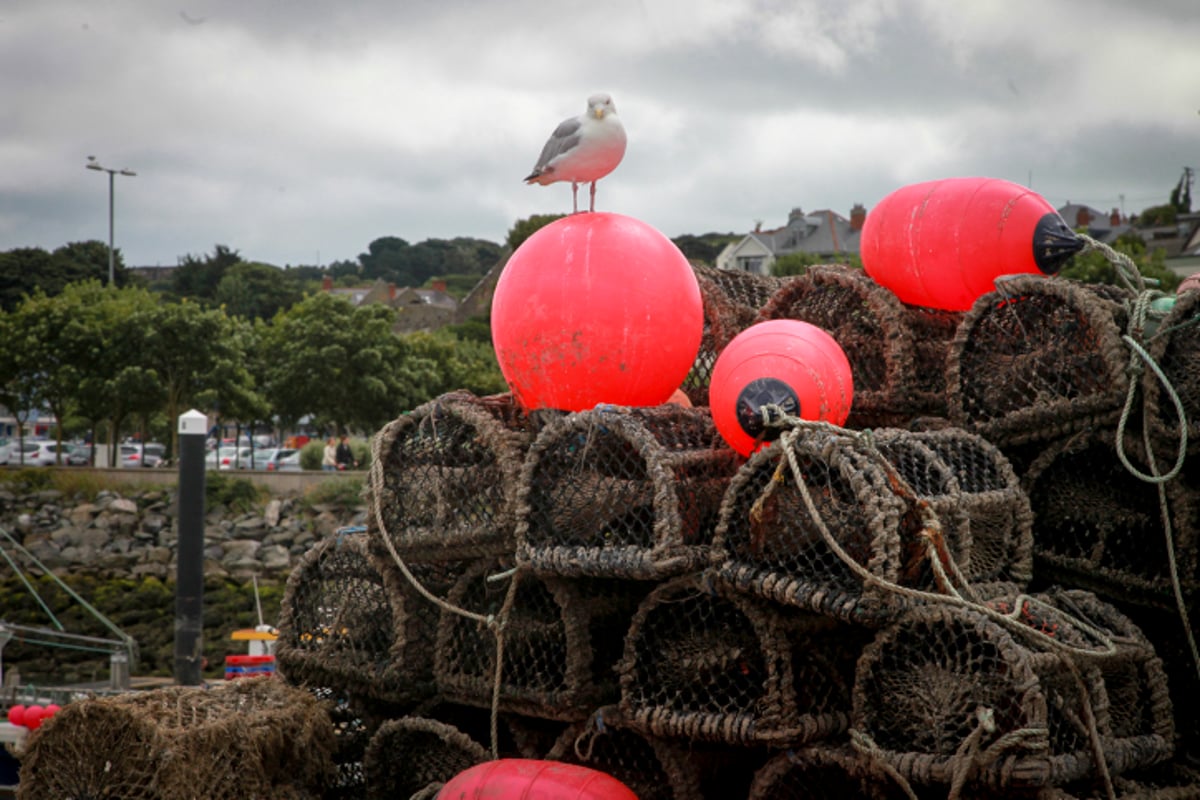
x,y
344,455
329,456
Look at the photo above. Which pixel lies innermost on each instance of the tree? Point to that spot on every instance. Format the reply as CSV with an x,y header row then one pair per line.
x,y
704,248
18,374
1095,267
255,291
460,363
798,263
338,363
27,268
198,278
522,229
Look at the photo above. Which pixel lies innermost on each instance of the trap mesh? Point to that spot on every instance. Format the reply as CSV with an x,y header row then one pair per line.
x,y
704,663
770,544
249,738
1175,347
1099,527
561,638
823,772
1037,359
338,627
897,353
447,477
947,689
411,755
625,493
731,300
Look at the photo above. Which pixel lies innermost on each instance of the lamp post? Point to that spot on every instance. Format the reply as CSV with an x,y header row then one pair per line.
x,y
112,174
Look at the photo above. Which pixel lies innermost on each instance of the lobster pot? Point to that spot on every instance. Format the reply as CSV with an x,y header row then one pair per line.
x,y
654,768
771,544
1164,629
897,352
561,639
414,754
1099,527
933,483
339,628
997,508
248,738
731,300
352,732
944,683
1175,347
623,493
1038,359
704,663
823,772
447,480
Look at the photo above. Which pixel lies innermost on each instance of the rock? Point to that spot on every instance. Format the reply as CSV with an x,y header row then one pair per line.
x,y
83,514
275,557
238,549
91,537
242,568
24,522
153,523
47,496
272,512
123,506
250,524
150,569
45,551
156,555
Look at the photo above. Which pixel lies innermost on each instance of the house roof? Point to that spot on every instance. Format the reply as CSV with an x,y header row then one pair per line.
x,y
823,231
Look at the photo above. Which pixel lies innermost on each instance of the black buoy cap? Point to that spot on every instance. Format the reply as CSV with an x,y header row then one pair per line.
x,y
1054,243
762,392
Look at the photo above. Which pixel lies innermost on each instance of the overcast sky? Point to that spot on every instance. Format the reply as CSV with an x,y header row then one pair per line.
x,y
298,131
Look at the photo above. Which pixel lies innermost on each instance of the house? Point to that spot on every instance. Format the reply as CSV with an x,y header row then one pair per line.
x,y
416,309
1102,227
823,233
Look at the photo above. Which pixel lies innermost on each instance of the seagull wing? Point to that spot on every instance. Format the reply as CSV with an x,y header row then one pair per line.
x,y
564,138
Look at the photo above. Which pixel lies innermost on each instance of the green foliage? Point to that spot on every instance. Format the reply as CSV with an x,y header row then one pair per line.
x,y
1156,216
28,479
312,454
236,493
24,269
522,229
1095,267
798,263
394,260
198,278
704,248
255,291
341,492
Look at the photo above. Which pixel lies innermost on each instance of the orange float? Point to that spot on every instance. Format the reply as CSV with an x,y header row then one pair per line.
x,y
531,779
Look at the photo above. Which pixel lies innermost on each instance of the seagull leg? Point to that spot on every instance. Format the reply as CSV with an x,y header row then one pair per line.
x,y
592,204
574,197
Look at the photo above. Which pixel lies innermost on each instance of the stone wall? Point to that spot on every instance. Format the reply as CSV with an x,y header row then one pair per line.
x,y
134,534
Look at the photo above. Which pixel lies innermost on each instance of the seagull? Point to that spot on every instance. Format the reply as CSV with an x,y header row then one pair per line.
x,y
582,149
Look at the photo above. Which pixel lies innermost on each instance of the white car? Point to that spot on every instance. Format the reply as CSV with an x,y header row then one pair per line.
x,y
137,455
278,459
38,453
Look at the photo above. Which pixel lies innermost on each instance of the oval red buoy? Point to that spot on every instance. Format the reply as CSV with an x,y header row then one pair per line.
x,y
530,779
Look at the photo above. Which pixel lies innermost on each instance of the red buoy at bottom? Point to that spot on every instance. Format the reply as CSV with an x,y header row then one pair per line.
x,y
530,779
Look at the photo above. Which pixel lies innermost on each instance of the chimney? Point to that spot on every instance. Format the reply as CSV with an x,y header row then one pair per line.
x,y
858,215
327,283
1082,217
439,285
796,214
1114,219
391,291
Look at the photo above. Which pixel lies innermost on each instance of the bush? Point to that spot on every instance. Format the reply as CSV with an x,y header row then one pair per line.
x,y
344,492
311,454
238,494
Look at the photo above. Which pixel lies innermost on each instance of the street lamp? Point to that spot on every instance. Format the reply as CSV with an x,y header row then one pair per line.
x,y
112,173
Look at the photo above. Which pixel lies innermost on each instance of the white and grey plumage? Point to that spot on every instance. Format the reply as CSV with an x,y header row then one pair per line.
x,y
582,149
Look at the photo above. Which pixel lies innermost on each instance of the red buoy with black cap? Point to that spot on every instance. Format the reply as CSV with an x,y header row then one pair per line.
x,y
942,244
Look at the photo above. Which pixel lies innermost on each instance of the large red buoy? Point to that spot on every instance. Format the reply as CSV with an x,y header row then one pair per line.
x,y
785,362
596,308
941,244
530,779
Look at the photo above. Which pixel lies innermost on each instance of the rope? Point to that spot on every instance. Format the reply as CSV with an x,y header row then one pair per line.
x,y
866,746
494,623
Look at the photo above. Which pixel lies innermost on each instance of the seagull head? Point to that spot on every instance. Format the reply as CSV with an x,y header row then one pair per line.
x,y
600,105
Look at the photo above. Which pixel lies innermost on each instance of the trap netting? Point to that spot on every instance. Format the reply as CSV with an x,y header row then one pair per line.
x,y
1012,695
249,738
341,628
1039,358
997,509
624,493
824,772
731,300
653,767
1174,346
1100,527
706,663
412,756
560,640
897,352
823,520
444,477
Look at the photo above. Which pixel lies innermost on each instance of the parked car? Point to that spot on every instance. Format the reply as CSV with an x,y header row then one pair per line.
x,y
45,454
138,455
13,453
238,457
80,456
278,459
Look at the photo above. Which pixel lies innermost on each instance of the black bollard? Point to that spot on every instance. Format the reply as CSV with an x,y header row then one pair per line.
x,y
189,574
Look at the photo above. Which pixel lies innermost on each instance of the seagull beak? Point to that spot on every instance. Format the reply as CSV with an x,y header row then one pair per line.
x,y
599,113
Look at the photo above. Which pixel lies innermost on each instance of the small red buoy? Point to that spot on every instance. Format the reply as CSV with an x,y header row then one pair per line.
x,y
596,308
942,244
786,362
530,779
51,710
16,714
680,398
33,717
